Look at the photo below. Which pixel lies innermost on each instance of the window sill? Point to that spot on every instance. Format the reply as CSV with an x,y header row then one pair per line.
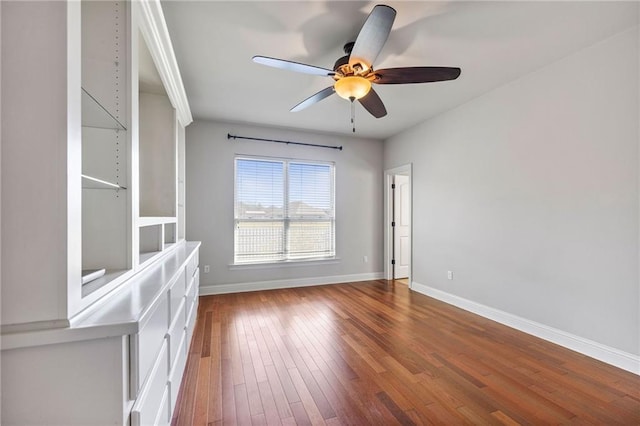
x,y
284,264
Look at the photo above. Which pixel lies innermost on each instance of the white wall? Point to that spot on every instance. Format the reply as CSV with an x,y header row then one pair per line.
x,y
209,199
35,136
529,194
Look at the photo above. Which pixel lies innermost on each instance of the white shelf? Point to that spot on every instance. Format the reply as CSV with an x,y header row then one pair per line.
x,y
94,285
89,182
155,220
95,115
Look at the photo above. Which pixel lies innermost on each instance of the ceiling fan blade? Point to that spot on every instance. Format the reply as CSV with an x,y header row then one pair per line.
x,y
415,75
372,103
292,66
314,99
373,35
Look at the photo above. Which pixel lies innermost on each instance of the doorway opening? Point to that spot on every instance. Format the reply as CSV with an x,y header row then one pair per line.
x,y
398,224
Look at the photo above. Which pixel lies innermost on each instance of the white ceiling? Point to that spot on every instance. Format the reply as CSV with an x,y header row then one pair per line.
x,y
492,42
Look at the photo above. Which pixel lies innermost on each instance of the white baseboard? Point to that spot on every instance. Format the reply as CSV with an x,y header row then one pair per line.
x,y
207,290
612,356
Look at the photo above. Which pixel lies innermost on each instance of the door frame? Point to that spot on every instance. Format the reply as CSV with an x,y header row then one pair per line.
x,y
406,170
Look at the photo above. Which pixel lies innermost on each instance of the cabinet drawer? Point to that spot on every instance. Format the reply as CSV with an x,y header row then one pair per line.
x,y
192,291
192,266
191,322
176,295
147,407
176,334
148,341
175,378
164,413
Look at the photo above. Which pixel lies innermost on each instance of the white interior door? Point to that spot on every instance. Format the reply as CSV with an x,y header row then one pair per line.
x,y
402,231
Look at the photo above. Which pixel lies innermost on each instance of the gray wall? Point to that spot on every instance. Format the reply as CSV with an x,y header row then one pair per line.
x,y
529,194
209,199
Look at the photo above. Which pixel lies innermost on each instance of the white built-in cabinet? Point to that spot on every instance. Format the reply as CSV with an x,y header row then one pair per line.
x,y
121,363
93,166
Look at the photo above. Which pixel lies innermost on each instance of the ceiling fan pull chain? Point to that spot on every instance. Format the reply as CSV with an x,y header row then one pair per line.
x,y
353,114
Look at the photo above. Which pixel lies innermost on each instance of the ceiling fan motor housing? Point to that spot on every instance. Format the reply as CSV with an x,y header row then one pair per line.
x,y
345,59
340,63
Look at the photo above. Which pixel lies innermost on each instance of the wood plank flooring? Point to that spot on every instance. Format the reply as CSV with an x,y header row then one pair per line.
x,y
375,353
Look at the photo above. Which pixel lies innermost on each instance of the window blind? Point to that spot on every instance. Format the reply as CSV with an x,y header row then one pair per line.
x,y
284,210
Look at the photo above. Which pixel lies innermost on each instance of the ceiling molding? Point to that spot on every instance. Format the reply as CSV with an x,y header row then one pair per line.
x,y
154,30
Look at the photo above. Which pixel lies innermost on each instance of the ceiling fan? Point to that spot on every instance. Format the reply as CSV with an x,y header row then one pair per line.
x,y
354,72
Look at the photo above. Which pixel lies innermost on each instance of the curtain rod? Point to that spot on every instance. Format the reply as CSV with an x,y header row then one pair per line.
x,y
230,136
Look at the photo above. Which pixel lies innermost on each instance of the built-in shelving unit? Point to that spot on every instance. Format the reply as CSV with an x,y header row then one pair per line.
x,y
106,147
98,160
158,161
92,143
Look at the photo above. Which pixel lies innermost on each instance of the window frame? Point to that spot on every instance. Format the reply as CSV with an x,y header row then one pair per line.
x,y
286,219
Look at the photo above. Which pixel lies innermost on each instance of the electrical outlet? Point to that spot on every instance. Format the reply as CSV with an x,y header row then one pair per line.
x,y
207,269
449,275
365,259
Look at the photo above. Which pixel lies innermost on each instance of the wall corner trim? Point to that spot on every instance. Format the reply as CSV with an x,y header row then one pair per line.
x,y
607,354
208,290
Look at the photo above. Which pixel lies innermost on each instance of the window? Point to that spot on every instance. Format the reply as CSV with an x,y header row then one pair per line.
x,y
284,210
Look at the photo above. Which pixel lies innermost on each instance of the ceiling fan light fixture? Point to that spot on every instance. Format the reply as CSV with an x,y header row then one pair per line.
x,y
352,87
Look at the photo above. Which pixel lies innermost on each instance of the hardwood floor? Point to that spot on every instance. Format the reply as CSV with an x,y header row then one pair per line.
x,y
376,353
